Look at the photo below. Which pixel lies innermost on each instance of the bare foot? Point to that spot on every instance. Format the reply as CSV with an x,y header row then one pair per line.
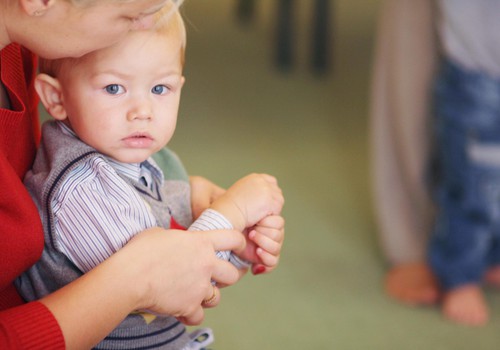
x,y
412,284
466,305
492,276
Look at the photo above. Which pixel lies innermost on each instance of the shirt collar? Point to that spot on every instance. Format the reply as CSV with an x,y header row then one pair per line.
x,y
147,169
134,171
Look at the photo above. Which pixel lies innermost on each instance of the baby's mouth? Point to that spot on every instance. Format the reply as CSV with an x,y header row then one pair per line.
x,y
139,135
138,140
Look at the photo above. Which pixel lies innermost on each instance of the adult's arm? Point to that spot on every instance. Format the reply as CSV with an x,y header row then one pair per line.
x,y
166,273
405,59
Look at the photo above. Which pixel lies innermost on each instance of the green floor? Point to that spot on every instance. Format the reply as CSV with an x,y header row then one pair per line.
x,y
240,115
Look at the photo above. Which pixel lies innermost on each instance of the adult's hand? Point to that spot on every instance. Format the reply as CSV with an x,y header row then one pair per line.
x,y
166,272
180,268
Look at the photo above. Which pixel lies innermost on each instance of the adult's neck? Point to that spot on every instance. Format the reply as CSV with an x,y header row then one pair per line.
x,y
4,17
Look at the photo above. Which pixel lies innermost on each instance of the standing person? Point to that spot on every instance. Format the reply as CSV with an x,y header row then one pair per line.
x,y
465,246
404,67
82,313
96,185
465,109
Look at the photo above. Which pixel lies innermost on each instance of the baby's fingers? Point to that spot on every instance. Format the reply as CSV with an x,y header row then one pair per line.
x,y
273,221
267,239
267,259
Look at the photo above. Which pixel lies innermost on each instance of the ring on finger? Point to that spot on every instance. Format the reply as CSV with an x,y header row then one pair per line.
x,y
211,300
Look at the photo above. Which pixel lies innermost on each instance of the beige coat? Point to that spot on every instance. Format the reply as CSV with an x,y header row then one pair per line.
x,y
405,59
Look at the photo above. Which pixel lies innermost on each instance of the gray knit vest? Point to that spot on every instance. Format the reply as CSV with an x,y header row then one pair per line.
x,y
58,155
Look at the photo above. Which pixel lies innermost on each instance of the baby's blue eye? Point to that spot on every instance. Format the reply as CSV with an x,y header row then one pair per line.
x,y
159,89
114,89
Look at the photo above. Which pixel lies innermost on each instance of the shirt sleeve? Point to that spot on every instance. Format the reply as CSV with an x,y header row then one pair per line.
x,y
213,220
97,213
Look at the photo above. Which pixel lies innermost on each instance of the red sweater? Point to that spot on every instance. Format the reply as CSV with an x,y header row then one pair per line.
x,y
22,326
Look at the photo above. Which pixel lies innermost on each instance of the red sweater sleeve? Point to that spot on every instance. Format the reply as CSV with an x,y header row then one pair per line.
x,y
28,326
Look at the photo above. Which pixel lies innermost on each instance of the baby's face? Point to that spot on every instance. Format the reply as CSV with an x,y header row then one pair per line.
x,y
123,100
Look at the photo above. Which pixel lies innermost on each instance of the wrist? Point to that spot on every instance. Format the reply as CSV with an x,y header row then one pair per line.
x,y
132,276
231,212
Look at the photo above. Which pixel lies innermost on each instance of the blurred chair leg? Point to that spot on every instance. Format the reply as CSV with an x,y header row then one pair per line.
x,y
245,10
284,45
321,36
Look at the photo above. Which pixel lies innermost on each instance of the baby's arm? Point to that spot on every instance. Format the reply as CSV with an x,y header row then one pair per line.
x,y
253,204
249,200
203,193
90,226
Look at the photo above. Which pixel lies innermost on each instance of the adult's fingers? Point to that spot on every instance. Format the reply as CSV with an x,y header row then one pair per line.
x,y
213,299
224,239
197,316
193,319
224,273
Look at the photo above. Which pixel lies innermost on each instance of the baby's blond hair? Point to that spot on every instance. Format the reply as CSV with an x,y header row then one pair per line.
x,y
168,21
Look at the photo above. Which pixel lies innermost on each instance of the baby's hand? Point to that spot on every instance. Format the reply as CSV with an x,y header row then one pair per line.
x,y
264,244
249,200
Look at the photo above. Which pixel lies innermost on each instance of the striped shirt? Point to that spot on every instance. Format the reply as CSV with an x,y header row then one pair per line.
x,y
96,212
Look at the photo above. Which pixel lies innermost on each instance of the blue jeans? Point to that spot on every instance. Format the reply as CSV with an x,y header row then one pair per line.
x,y
466,239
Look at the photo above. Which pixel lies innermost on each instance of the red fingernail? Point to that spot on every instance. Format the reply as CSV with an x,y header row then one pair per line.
x,y
259,269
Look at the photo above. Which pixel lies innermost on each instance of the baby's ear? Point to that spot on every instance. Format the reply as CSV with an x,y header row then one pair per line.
x,y
49,90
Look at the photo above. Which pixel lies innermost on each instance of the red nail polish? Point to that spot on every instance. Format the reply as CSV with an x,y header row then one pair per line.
x,y
259,269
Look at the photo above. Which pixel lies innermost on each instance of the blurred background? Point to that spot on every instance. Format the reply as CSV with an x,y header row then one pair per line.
x,y
257,100
246,107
